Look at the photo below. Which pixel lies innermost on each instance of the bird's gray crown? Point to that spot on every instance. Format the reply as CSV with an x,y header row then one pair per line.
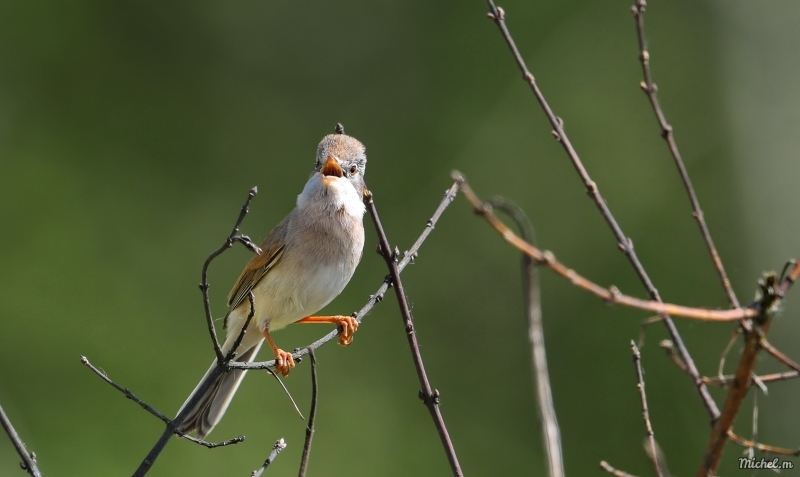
x,y
347,149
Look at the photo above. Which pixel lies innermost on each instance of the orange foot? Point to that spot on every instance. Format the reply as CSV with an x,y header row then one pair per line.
x,y
347,324
284,360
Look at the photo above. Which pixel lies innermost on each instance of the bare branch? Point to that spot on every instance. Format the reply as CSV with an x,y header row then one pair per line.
x,y
280,444
762,447
311,416
28,463
541,377
428,395
653,450
754,332
611,295
128,394
666,132
625,243
232,238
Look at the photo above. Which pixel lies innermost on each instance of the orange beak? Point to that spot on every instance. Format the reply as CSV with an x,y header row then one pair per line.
x,y
331,168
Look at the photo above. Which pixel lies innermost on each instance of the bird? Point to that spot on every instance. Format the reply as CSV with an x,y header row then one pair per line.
x,y
305,262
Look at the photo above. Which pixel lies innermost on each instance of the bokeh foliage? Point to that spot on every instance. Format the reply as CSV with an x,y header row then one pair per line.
x,y
130,133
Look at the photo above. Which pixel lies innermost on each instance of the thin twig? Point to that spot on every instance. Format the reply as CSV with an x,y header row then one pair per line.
x,y
128,394
779,355
311,416
616,472
666,132
761,447
280,444
28,463
625,243
408,257
651,438
428,395
243,331
727,379
533,304
204,286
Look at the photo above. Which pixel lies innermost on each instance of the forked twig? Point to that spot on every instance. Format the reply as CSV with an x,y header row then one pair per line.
x,y
128,394
280,444
531,291
204,286
666,132
28,463
311,416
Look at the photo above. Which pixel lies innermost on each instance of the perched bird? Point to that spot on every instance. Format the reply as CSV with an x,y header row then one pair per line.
x,y
305,262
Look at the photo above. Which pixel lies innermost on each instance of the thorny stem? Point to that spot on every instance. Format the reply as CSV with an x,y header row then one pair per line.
x,y
625,243
666,132
428,395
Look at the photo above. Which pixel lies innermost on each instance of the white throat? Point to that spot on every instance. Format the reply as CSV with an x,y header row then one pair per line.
x,y
331,194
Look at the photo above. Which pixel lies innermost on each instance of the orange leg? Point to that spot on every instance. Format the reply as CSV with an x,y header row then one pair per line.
x,y
283,358
348,326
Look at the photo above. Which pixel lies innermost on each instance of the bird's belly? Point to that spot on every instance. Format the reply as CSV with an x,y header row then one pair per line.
x,y
285,298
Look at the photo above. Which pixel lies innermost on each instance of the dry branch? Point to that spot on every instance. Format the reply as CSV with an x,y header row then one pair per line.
x,y
428,395
311,416
28,463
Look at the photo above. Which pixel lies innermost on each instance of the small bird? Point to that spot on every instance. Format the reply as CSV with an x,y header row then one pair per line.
x,y
305,262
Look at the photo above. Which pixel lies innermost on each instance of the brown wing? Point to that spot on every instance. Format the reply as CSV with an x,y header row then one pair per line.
x,y
258,266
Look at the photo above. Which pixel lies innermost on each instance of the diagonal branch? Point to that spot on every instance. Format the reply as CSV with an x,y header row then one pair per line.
x,y
666,132
428,395
610,295
625,243
754,332
128,394
28,463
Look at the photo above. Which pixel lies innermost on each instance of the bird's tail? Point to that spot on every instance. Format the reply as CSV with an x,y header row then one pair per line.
x,y
208,411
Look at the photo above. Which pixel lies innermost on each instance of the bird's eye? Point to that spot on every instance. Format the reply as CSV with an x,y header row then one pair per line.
x,y
353,170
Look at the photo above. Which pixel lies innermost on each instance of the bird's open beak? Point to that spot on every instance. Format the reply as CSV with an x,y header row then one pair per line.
x,y
331,168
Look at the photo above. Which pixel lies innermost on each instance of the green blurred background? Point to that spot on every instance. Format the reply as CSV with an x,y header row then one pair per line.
x,y
130,133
